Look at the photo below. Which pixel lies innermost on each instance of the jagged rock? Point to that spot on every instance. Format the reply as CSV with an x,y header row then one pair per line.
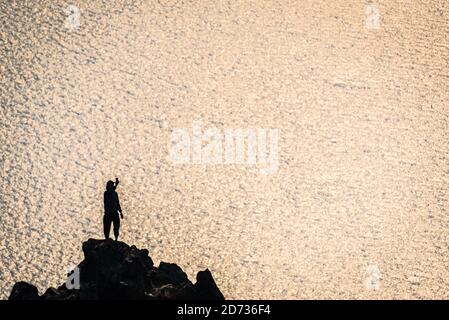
x,y
24,291
114,270
117,270
51,293
165,292
168,273
206,288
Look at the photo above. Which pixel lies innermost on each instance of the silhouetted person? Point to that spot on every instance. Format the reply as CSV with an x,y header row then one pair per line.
x,y
111,209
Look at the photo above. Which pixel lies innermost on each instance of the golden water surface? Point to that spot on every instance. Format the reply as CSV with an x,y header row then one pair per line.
x,y
91,90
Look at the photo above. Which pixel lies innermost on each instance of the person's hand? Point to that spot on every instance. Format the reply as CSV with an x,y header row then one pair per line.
x,y
116,181
121,215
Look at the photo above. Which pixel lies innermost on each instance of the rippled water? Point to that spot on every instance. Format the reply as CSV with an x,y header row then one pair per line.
x,y
358,207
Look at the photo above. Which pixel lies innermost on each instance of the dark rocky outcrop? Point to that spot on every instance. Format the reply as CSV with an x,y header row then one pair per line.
x,y
24,291
114,270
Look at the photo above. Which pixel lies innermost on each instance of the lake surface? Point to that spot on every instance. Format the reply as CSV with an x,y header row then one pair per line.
x,y
358,91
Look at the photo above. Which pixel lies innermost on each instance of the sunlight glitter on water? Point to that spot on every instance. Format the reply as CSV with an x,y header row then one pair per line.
x,y
359,95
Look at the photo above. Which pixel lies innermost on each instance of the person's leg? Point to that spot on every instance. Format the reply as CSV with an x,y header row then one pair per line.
x,y
116,227
106,226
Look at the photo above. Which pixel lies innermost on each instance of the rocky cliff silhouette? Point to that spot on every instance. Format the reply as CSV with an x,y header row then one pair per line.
x,y
114,270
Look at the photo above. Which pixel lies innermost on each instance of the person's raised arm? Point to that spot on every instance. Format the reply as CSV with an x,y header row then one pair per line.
x,y
116,183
